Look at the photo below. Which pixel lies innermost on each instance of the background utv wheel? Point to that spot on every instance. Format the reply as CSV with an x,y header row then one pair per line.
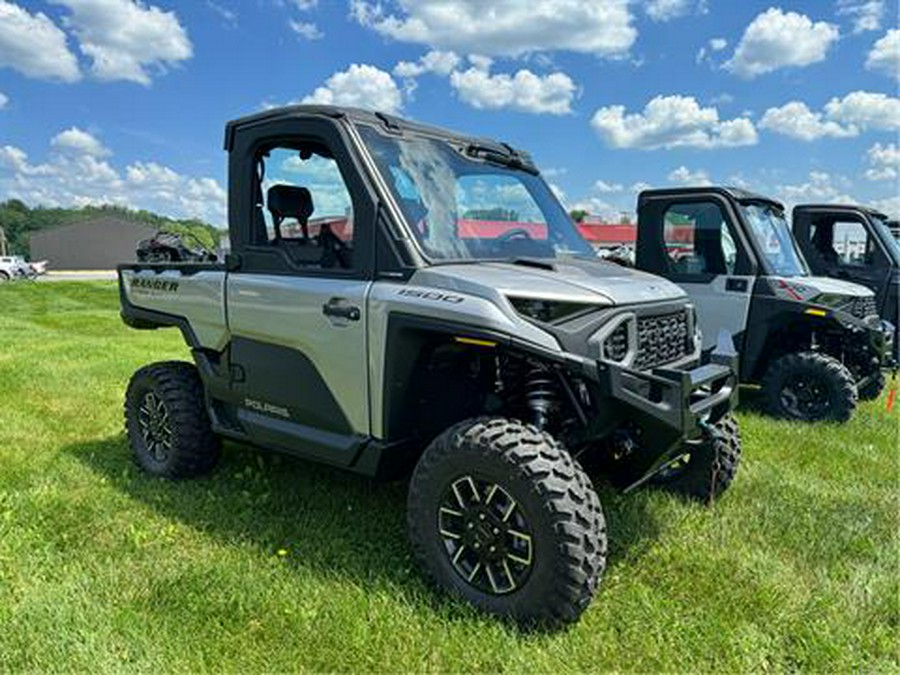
x,y
711,465
810,386
166,421
500,514
873,388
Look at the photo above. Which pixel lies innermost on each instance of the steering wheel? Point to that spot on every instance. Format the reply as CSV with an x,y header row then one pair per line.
x,y
515,233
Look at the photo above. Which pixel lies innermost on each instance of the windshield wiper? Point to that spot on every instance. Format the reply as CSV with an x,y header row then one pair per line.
x,y
510,158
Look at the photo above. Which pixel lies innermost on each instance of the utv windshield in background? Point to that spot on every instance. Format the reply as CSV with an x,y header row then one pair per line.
x,y
468,208
891,237
774,239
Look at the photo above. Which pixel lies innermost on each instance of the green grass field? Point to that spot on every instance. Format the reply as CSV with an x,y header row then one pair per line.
x,y
273,564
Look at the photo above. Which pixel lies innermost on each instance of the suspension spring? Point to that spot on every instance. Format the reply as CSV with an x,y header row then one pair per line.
x,y
541,395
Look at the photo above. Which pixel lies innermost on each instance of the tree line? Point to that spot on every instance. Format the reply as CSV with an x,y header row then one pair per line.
x,y
19,221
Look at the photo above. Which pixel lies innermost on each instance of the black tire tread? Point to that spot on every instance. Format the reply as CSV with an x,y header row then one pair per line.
x,y
567,494
195,448
846,395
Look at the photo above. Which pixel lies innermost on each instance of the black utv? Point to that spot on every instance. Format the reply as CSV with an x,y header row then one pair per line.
x,y
854,243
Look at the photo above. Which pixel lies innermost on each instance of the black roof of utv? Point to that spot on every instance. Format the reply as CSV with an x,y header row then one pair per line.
x,y
384,120
841,207
736,194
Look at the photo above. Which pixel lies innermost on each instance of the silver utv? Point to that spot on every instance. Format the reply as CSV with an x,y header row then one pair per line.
x,y
399,297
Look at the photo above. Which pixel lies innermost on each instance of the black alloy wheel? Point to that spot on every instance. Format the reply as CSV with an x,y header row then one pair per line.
x,y
486,535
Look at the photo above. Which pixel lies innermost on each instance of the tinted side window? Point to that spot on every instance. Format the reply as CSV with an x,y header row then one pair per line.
x,y
850,242
307,208
698,240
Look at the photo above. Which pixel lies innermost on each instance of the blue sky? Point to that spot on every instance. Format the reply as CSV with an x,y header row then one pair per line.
x,y
125,101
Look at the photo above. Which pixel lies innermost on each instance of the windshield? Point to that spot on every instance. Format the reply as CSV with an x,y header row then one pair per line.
x,y
774,239
462,208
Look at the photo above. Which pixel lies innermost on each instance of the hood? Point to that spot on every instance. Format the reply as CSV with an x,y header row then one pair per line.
x,y
568,280
810,288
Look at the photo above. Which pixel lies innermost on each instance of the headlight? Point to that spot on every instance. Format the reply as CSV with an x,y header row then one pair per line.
x,y
548,311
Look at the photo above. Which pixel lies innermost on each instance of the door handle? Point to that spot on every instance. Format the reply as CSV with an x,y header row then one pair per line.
x,y
736,285
339,308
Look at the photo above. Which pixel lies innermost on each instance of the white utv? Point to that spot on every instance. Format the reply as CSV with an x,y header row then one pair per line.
x,y
401,297
814,344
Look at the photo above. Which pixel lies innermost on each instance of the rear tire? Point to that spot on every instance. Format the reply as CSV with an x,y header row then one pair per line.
x,y
711,466
811,387
4,277
501,515
874,387
166,421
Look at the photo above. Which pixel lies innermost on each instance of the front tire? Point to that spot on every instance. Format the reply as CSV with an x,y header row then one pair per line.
x,y
501,515
166,421
711,465
811,387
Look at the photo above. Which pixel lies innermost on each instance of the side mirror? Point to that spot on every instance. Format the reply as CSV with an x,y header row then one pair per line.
x,y
232,262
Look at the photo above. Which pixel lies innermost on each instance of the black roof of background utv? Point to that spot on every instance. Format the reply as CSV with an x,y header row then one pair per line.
x,y
841,207
737,194
384,120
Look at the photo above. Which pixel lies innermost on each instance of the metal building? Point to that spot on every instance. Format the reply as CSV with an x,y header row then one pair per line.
x,y
93,244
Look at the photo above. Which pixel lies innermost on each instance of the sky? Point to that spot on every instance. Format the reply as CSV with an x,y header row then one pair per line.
x,y
125,101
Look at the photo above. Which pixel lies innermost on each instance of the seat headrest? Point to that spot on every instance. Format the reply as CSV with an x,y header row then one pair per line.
x,y
289,201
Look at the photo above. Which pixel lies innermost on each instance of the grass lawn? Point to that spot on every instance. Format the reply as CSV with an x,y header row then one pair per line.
x,y
276,564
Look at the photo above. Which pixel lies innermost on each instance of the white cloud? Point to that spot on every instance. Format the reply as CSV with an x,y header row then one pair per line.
x,y
4,100
884,162
603,187
865,14
640,186
524,91
776,39
819,187
705,53
306,29
504,27
361,85
890,206
79,142
595,207
684,176
665,10
34,45
304,5
127,39
435,61
885,54
841,117
229,16
74,178
796,120
672,122
864,110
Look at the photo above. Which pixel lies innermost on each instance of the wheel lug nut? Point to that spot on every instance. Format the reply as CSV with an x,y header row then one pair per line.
x,y
482,516
470,525
496,531
492,549
477,546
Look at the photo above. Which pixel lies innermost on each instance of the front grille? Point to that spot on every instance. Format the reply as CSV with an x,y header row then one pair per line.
x,y
863,308
662,339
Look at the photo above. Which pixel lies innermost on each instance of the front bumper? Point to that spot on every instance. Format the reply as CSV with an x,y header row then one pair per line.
x,y
661,409
675,399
